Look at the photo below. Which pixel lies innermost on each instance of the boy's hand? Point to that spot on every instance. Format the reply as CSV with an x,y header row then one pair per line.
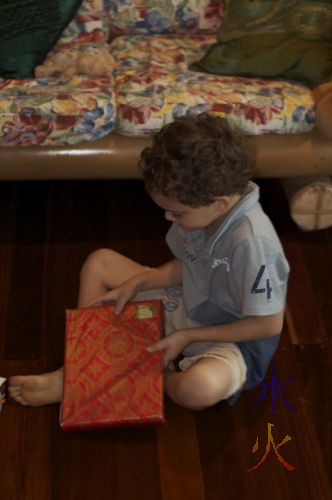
x,y
121,295
172,345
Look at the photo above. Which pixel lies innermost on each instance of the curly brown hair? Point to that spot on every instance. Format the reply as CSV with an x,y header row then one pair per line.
x,y
194,159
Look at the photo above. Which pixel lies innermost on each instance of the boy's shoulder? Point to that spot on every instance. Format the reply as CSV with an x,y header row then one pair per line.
x,y
256,243
255,224
256,235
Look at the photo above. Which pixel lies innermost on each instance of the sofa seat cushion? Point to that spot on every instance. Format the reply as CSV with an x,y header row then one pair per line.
x,y
48,112
153,86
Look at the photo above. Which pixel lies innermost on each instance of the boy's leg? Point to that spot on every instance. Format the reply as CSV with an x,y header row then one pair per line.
x,y
210,371
103,269
204,384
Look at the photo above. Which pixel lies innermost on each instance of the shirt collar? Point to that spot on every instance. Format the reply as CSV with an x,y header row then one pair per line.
x,y
248,200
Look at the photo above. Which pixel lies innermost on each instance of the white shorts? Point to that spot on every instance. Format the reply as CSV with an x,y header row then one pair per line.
x,y
177,319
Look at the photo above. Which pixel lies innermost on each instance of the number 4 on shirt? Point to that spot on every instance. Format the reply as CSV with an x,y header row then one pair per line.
x,y
260,281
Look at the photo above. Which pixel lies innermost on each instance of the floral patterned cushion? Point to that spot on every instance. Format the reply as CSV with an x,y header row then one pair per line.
x,y
47,112
153,86
167,16
90,24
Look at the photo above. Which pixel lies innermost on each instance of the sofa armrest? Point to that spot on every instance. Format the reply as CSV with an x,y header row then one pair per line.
x,y
116,156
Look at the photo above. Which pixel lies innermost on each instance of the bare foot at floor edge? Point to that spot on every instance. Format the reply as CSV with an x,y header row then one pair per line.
x,y
37,390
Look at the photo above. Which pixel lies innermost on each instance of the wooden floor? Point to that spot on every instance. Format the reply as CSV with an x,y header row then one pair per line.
x,y
46,231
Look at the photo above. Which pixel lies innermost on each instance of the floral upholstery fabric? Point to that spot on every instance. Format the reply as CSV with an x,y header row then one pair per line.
x,y
168,16
151,83
154,86
90,24
47,112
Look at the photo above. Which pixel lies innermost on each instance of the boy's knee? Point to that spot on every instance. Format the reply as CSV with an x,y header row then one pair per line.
x,y
197,391
95,262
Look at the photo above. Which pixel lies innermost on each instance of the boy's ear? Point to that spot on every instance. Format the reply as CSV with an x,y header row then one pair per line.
x,y
222,203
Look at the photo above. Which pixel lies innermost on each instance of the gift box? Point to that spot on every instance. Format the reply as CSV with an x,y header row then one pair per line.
x,y
109,376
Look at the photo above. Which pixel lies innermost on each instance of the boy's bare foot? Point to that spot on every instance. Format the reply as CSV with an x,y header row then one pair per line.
x,y
37,390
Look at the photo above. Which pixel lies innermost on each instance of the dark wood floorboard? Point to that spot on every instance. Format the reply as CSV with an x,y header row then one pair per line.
x,y
46,231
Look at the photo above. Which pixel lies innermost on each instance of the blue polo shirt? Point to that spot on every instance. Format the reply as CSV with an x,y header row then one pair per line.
x,y
240,271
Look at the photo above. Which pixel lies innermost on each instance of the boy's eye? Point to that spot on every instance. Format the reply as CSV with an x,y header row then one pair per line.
x,y
175,215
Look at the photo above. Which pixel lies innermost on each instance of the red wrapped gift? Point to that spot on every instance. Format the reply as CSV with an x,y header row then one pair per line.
x,y
109,376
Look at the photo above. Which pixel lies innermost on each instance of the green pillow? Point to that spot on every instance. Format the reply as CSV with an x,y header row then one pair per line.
x,y
29,30
273,38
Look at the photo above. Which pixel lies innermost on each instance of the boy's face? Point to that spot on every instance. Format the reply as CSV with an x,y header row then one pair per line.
x,y
187,217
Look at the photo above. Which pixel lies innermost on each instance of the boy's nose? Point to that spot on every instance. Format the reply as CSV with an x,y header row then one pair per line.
x,y
169,216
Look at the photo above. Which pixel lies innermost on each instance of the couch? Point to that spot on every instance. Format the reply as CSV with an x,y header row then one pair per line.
x,y
94,126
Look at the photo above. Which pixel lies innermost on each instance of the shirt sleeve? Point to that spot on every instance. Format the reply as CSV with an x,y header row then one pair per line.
x,y
260,274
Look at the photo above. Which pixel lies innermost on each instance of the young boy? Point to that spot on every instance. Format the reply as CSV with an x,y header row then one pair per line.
x,y
224,291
